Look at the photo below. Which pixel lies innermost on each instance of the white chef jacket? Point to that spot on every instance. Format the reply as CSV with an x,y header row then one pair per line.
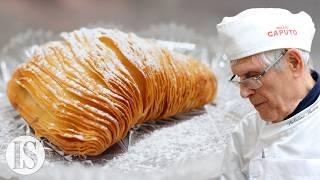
x,y
286,150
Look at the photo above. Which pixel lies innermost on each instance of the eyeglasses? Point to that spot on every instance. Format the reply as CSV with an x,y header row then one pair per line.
x,y
254,82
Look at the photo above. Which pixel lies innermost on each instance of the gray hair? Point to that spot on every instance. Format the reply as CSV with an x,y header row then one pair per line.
x,y
268,57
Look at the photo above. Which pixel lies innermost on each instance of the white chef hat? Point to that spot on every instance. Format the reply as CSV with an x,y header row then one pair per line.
x,y
261,29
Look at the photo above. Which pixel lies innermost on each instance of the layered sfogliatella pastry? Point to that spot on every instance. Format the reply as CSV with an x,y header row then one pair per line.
x,y
84,92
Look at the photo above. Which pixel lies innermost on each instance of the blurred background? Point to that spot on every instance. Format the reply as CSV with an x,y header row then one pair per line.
x,y
200,15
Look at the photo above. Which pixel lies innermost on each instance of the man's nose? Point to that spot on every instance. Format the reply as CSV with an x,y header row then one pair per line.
x,y
246,92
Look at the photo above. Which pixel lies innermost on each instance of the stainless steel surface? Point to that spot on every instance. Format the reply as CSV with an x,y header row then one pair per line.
x,y
202,15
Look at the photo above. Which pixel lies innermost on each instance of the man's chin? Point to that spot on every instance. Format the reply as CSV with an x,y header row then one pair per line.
x,y
268,117
265,115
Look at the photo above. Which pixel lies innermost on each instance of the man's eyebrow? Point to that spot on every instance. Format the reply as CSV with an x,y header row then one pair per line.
x,y
247,73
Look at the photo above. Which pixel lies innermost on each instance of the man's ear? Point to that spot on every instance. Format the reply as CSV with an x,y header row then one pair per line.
x,y
295,62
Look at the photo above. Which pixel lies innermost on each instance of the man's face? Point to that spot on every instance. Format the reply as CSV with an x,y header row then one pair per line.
x,y
272,100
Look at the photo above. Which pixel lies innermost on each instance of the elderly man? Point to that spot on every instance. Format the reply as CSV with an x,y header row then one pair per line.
x,y
269,51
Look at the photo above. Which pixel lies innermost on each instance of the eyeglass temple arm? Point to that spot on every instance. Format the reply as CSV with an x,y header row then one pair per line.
x,y
232,77
282,54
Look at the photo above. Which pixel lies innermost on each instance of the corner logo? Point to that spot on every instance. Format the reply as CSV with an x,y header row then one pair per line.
x,y
25,155
282,31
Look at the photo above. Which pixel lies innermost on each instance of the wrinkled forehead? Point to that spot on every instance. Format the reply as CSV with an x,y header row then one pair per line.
x,y
247,64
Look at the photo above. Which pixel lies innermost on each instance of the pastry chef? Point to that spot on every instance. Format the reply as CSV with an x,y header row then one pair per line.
x,y
268,49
